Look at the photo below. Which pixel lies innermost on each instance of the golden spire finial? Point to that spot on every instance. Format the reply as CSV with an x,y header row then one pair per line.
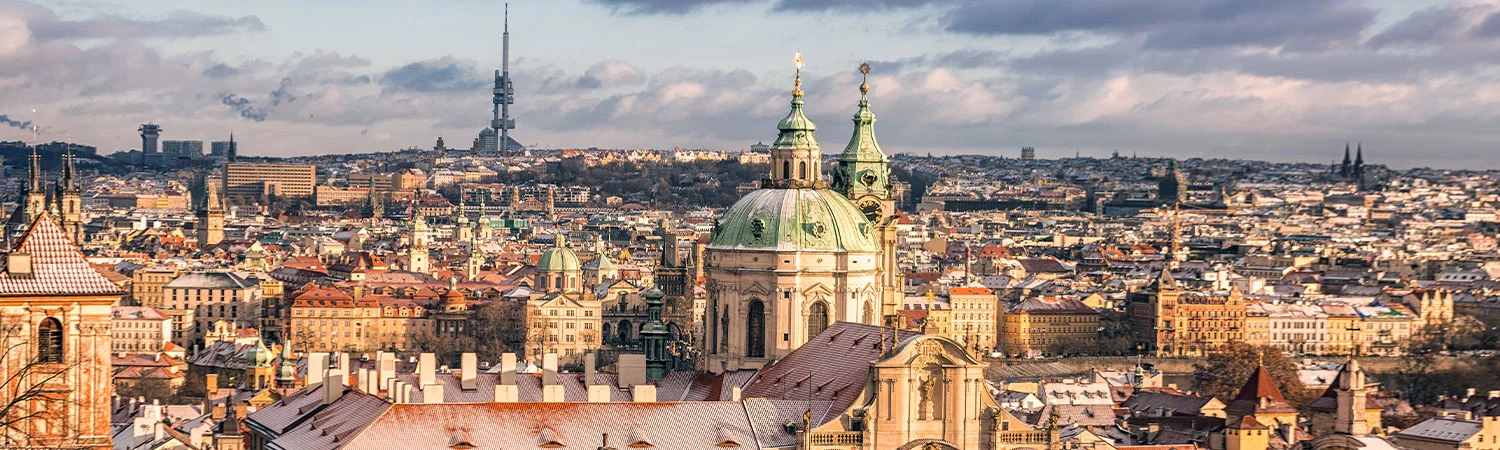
x,y
864,81
797,85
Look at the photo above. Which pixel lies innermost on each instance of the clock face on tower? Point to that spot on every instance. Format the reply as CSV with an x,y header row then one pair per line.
x,y
871,208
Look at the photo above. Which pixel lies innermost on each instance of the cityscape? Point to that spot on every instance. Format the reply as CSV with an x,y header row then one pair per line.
x,y
477,273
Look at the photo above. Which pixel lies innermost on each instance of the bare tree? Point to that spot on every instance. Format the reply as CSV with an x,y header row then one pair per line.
x,y
22,390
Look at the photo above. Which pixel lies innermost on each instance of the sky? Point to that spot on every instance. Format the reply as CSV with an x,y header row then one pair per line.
x,y
1286,80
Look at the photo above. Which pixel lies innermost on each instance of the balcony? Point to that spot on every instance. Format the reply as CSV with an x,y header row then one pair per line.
x,y
837,438
1024,437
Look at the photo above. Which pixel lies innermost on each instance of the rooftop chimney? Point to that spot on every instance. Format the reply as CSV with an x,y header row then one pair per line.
x,y
508,369
643,393
387,366
549,369
362,380
333,386
551,390
426,365
317,367
599,393
468,372
588,369
432,394
632,370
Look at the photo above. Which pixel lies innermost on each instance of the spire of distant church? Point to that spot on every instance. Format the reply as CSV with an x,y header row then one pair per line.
x,y
34,174
1344,169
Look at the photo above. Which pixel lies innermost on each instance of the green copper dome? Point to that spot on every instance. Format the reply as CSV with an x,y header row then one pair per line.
x,y
794,220
558,259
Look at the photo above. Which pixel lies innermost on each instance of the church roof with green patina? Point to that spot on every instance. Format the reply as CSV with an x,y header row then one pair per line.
x,y
796,130
862,145
806,218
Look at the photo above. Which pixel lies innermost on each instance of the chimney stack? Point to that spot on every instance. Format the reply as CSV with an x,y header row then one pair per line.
x,y
549,369
631,369
588,369
432,394
552,391
387,366
599,393
333,386
643,393
317,367
508,369
426,367
468,372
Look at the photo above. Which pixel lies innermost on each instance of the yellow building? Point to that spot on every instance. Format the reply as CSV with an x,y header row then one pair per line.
x,y
1046,325
972,320
258,180
1209,321
328,319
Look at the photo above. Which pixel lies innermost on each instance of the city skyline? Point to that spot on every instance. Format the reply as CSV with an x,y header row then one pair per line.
x,y
1185,79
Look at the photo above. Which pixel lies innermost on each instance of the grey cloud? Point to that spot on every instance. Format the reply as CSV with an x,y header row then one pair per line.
x,y
958,59
650,7
281,94
6,120
221,70
243,106
1490,27
438,75
178,24
1171,23
671,7
1434,25
854,5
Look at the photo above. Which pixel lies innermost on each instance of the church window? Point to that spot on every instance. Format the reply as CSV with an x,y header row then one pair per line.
x,y
802,170
817,319
755,331
786,169
50,342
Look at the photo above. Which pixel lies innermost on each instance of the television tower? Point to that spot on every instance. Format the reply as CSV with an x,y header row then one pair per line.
x,y
504,94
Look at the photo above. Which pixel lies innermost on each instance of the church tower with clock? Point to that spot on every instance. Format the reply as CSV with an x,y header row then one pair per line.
x,y
864,177
863,174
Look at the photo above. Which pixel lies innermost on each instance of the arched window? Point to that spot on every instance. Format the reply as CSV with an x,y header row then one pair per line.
x,y
49,341
755,331
817,319
802,170
786,169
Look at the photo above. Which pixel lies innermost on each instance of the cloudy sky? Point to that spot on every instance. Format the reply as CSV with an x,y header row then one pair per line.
x,y
1415,81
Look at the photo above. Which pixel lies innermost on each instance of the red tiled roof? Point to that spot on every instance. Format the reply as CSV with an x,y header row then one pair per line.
x,y
1260,386
969,291
57,267
832,366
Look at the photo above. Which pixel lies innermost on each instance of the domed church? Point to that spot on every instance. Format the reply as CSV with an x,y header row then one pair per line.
x,y
798,254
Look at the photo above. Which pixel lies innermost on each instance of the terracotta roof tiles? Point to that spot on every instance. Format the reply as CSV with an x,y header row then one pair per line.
x,y
57,267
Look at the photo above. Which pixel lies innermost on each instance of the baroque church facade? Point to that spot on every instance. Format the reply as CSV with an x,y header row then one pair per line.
x,y
802,252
